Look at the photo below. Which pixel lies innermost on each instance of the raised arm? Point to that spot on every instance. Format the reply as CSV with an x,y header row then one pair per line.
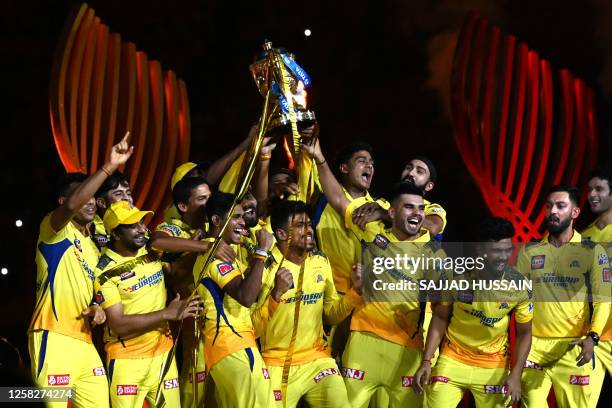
x,y
220,166
245,291
332,189
120,153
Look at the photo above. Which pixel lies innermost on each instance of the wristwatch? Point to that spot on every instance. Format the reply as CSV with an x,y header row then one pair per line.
x,y
594,336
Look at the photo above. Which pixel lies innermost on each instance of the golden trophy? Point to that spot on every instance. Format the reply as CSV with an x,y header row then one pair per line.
x,y
277,74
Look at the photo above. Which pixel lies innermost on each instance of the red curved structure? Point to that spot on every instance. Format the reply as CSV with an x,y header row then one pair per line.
x,y
102,87
513,142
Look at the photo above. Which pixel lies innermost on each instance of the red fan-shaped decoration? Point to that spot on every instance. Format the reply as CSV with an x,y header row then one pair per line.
x,y
519,126
102,87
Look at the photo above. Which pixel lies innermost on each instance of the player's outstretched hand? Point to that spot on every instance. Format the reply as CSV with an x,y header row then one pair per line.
x,y
421,378
282,283
181,309
121,152
95,313
588,348
512,388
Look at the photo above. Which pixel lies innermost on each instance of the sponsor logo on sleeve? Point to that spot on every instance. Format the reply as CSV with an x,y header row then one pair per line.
x,y
127,275
579,379
603,259
381,241
353,373
99,371
407,381
58,379
324,373
495,389
277,395
130,389
537,261
266,373
224,268
171,383
605,274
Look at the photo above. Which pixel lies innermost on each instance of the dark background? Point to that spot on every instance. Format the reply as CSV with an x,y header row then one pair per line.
x,y
379,69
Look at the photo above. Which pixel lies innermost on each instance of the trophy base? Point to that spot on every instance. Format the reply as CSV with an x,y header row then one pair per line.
x,y
282,123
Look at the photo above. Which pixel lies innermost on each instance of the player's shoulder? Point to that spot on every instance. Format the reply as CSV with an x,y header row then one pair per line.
x,y
588,243
512,274
318,254
169,228
104,261
533,244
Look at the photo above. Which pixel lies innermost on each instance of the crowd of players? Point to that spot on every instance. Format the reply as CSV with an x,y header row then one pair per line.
x,y
277,315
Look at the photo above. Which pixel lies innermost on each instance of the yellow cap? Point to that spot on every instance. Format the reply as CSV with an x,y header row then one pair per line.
x,y
180,172
122,213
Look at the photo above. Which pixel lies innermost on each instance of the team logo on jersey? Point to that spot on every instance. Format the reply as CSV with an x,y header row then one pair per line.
x,y
353,373
407,381
127,275
266,373
100,240
503,305
531,364
381,241
77,244
579,379
606,274
131,389
58,379
171,383
537,261
319,278
603,259
278,396
99,298
99,371
495,389
224,268
575,264
200,376
324,373
438,378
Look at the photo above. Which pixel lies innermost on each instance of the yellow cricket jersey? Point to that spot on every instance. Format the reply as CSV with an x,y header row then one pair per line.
x,y
227,327
138,284
604,238
478,330
398,322
64,280
337,241
563,280
320,302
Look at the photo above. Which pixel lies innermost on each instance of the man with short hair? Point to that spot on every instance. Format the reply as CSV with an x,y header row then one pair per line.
x,y
567,274
313,374
600,231
229,290
390,330
475,346
130,287
65,258
115,188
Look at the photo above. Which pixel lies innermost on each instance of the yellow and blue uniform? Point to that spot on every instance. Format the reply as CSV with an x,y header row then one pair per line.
x,y
564,280
229,339
175,227
313,374
135,361
391,331
603,351
475,352
64,288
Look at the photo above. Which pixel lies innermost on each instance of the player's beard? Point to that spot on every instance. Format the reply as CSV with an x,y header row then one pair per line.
x,y
409,179
559,228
